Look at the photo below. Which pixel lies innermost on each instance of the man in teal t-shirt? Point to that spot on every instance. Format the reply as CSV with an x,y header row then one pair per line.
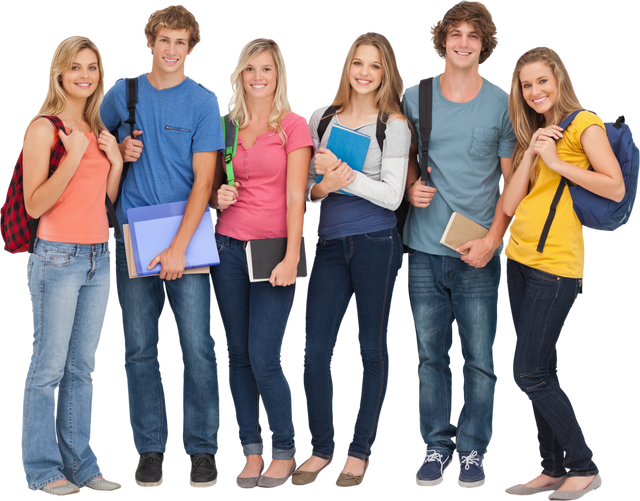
x,y
469,149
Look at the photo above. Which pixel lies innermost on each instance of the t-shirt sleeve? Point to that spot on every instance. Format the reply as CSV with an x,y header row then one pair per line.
x,y
574,131
507,141
298,135
410,110
208,135
108,109
313,130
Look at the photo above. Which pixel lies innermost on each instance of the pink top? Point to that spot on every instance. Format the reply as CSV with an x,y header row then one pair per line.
x,y
79,216
261,170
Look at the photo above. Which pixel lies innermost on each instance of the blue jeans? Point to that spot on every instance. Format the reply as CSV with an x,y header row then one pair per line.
x,y
142,300
540,303
366,265
441,289
69,287
254,317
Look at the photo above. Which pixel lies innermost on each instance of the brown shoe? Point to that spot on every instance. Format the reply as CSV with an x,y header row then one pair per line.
x,y
307,477
350,480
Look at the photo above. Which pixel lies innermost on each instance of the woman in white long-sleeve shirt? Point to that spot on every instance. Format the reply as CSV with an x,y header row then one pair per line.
x,y
359,250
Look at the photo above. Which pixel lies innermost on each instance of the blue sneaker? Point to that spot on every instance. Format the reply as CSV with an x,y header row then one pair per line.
x,y
471,470
430,473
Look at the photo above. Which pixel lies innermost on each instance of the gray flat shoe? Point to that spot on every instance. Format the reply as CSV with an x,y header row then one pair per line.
x,y
275,482
595,483
101,484
61,490
249,482
523,490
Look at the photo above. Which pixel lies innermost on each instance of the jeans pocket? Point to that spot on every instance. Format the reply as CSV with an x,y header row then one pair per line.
x,y
545,276
379,236
220,243
57,259
321,243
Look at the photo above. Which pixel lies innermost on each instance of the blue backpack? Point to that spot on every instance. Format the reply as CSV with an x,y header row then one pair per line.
x,y
593,210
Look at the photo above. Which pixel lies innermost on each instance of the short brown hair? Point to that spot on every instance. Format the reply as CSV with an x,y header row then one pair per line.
x,y
474,13
175,17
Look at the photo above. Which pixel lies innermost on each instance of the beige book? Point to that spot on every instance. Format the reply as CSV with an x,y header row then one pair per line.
x,y
131,261
461,230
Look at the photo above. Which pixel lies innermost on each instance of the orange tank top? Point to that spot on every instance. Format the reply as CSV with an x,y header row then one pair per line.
x,y
79,216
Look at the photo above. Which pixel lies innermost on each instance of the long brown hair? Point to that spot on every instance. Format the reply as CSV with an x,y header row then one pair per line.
x,y
56,100
388,94
526,120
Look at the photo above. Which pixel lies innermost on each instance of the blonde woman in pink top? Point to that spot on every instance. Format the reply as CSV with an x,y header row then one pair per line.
x,y
267,201
68,270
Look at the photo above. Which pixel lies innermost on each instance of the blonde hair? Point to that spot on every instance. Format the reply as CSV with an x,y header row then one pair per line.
x,y
56,100
388,94
526,120
175,17
238,111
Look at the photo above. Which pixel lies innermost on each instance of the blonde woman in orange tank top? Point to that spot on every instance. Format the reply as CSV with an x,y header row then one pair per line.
x,y
68,271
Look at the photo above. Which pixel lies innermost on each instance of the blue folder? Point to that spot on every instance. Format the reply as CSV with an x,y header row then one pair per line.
x,y
349,146
154,227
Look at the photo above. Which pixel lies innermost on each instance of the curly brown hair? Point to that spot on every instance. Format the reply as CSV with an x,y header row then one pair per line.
x,y
175,17
474,13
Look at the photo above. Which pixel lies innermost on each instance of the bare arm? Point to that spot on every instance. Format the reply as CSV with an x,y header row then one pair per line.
x,y
172,259
297,171
107,143
481,250
41,191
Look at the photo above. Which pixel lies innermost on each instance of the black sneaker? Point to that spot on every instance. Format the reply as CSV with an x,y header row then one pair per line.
x,y
203,470
149,472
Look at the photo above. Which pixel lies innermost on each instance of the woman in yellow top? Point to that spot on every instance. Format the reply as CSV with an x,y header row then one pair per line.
x,y
544,285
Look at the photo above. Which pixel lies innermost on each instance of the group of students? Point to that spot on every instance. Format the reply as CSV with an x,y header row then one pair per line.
x,y
479,133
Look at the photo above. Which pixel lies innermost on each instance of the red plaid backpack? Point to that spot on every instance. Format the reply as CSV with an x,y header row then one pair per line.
x,y
18,228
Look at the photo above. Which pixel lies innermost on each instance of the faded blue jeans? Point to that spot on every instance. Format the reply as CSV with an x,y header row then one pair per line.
x,y
443,289
540,303
365,265
69,287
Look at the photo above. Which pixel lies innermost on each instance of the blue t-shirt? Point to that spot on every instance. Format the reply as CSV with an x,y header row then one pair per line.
x,y
466,144
175,123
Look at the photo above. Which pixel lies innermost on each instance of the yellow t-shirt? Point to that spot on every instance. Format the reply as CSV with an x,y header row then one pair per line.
x,y
563,253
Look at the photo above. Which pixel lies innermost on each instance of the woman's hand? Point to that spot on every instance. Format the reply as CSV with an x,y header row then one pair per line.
x,y
553,132
324,160
284,273
76,143
227,195
107,143
337,177
543,143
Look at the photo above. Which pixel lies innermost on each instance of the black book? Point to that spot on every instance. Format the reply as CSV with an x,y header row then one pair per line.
x,y
265,254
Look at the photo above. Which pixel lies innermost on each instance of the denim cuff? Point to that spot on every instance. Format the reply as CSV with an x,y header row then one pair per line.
x,y
554,475
357,455
283,454
582,473
89,479
250,449
321,455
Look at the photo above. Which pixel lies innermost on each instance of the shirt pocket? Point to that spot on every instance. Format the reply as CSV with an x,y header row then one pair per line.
x,y
484,142
177,140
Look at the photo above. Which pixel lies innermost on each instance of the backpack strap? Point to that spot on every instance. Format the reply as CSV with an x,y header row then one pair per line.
x,y
230,132
425,106
131,84
556,198
381,124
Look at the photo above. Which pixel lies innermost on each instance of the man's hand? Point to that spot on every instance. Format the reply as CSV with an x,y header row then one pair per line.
x,y
480,252
420,195
172,262
130,149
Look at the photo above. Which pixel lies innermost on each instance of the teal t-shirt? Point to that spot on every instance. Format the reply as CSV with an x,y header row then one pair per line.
x,y
467,142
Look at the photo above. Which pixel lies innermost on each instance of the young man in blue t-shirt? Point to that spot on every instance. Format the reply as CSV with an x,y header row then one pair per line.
x,y
173,155
469,149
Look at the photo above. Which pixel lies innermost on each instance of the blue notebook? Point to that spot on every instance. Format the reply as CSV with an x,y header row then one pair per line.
x,y
154,227
349,146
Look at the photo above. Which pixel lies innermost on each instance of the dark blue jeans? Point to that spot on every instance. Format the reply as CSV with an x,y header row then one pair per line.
x,y
254,317
366,265
540,303
441,289
142,300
